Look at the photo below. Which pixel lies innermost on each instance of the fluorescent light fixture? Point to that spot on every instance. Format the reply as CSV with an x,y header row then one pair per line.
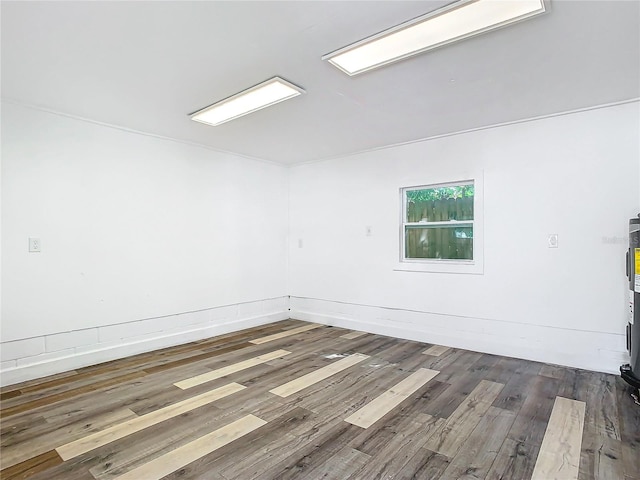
x,y
454,22
263,95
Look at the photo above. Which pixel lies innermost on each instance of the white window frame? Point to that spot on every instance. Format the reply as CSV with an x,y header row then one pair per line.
x,y
436,265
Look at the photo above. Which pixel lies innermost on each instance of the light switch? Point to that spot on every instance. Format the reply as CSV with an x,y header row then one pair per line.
x,y
553,240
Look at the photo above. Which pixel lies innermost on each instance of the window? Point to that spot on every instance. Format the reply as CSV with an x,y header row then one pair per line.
x,y
440,228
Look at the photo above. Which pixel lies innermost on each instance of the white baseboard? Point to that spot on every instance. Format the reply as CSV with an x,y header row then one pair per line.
x,y
596,351
49,363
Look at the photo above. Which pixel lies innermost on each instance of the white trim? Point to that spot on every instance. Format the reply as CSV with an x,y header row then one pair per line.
x,y
49,363
591,350
127,349
159,317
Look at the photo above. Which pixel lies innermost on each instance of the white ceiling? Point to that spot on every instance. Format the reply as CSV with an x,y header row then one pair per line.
x,y
146,65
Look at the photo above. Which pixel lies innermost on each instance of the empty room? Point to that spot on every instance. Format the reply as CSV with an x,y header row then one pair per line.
x,y
320,240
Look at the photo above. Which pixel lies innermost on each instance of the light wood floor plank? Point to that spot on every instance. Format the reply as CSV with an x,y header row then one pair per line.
x,y
464,419
383,404
559,456
98,439
286,333
436,350
352,335
228,370
323,373
182,456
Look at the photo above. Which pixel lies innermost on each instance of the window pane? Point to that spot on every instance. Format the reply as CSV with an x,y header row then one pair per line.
x,y
442,242
440,204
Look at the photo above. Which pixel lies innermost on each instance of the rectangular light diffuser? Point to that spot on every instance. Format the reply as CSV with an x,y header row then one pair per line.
x,y
454,22
255,98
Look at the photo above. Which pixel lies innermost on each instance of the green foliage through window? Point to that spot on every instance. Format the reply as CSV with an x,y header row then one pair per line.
x,y
442,193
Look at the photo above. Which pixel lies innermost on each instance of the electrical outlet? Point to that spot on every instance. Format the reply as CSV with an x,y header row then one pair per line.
x,y
553,240
34,244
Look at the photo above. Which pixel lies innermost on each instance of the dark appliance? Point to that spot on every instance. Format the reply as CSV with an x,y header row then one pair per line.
x,y
631,371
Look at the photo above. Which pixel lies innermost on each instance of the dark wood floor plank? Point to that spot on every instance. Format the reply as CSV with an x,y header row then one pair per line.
x,y
37,381
410,436
339,466
18,425
456,429
348,390
515,391
401,351
25,407
140,448
515,461
268,462
502,371
30,467
266,377
485,364
553,371
425,464
79,381
629,421
369,345
602,405
601,456
481,448
10,394
531,421
237,455
21,447
463,362
302,461
374,438
126,395
461,386
195,358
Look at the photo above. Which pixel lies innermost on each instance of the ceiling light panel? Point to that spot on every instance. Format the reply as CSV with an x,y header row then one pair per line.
x,y
454,22
265,94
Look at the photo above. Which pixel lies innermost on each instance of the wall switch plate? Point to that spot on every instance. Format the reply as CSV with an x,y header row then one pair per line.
x,y
553,240
34,244
368,231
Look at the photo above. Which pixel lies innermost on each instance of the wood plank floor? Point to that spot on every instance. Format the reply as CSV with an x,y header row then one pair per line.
x,y
298,400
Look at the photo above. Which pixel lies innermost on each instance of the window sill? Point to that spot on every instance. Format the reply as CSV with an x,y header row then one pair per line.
x,y
451,266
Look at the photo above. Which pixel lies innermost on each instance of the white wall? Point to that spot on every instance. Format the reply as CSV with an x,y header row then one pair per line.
x,y
576,175
145,242
148,242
